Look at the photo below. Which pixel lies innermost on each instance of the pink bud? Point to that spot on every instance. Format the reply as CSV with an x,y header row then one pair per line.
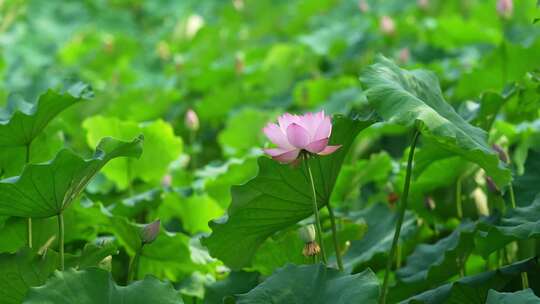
x,y
150,232
505,8
293,135
404,55
423,4
166,181
363,6
192,120
502,154
492,187
387,25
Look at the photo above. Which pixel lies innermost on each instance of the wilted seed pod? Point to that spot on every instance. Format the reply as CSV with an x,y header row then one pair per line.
x,y
392,198
429,203
150,232
502,154
191,120
307,233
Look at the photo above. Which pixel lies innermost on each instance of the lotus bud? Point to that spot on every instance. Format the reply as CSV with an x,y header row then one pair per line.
x,y
492,187
239,63
194,24
404,55
106,263
191,120
363,6
307,233
150,232
429,203
505,8
387,25
502,154
166,181
423,4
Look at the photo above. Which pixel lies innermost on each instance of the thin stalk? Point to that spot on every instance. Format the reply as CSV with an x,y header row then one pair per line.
x,y
61,239
316,211
29,221
334,236
512,196
524,280
459,206
401,215
398,256
133,265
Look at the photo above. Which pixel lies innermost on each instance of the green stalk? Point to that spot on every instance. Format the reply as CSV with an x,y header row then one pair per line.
x,y
401,215
334,236
316,211
133,265
29,225
61,239
512,196
459,206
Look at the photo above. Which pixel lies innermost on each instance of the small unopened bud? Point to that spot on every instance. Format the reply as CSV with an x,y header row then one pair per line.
x,y
502,154
239,63
191,120
429,203
150,232
492,187
166,181
423,4
404,55
311,249
387,25
363,6
307,233
505,8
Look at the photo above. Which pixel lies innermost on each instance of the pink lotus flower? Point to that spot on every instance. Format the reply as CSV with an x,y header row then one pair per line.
x,y
295,134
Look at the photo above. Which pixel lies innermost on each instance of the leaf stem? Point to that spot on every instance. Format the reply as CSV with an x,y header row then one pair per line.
x,y
61,239
401,215
29,220
134,264
316,211
334,237
459,205
512,196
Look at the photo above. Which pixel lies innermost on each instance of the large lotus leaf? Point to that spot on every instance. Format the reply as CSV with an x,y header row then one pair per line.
x,y
377,240
526,186
27,121
20,271
237,282
161,148
194,211
277,198
314,284
96,286
408,97
431,264
474,289
520,223
45,190
525,296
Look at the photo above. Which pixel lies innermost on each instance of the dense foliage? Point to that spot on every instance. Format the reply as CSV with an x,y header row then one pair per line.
x,y
133,166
